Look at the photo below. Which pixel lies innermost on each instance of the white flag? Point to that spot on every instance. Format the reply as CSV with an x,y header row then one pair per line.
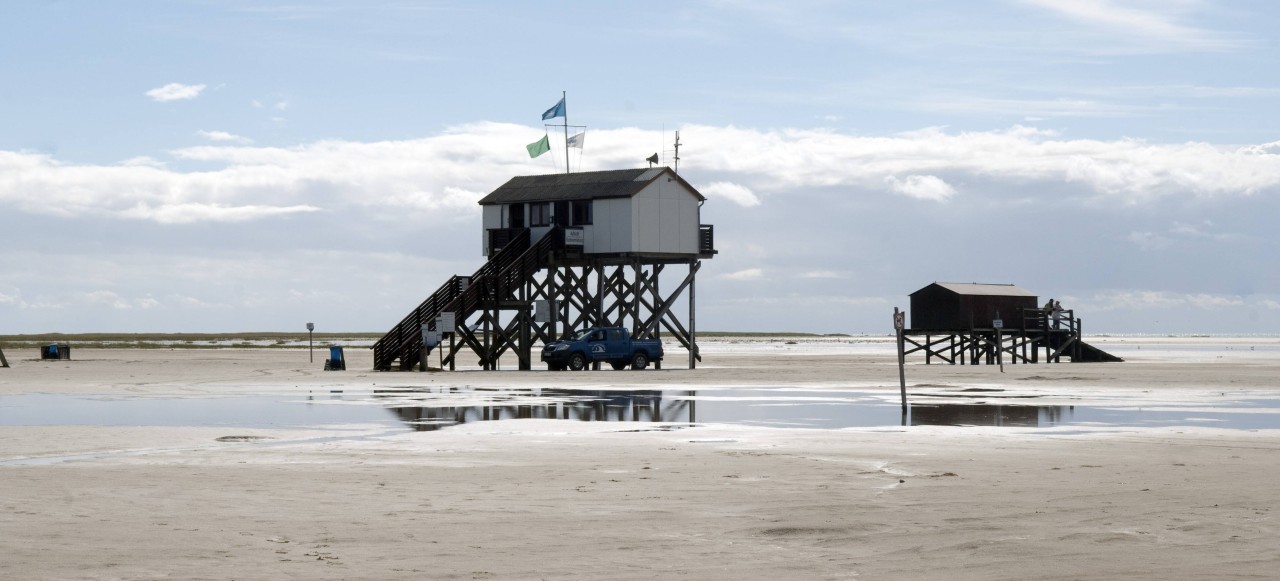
x,y
576,140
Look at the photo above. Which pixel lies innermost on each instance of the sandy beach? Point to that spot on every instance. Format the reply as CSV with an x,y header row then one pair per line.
x,y
554,499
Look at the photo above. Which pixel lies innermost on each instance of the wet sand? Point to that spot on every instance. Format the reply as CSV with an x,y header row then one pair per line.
x,y
530,499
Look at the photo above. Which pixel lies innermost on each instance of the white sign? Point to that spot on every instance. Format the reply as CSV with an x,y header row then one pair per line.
x,y
900,320
446,322
542,310
574,237
998,323
430,338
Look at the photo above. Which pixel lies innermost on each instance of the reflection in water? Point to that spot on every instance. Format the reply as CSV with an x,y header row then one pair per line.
x,y
1027,416
433,410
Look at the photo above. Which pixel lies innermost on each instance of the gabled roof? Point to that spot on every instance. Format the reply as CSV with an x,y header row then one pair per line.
x,y
983,289
591,185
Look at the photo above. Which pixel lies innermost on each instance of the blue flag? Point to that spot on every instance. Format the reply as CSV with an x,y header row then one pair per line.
x,y
556,111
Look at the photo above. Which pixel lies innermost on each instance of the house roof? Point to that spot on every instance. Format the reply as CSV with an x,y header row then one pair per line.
x,y
591,185
983,289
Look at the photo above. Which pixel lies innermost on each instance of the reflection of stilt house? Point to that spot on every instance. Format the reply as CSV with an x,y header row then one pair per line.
x,y
551,404
588,248
957,322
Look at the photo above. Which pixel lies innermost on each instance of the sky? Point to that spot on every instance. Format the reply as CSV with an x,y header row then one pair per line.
x,y
228,165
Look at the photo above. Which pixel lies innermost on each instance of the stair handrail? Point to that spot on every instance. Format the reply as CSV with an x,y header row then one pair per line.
x,y
514,262
406,338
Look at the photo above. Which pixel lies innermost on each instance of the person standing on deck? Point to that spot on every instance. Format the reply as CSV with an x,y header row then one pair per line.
x,y
1057,313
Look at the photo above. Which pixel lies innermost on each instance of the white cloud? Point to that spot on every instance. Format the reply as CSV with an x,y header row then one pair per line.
x,y
451,170
740,195
279,105
1146,300
175,92
922,187
223,136
1125,170
748,274
1149,241
107,298
190,213
143,161
823,274
1155,21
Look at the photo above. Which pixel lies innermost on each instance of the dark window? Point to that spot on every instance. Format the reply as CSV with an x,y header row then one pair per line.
x,y
515,216
540,214
582,213
562,213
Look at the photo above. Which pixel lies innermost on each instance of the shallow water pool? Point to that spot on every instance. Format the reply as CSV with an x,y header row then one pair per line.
x,y
437,408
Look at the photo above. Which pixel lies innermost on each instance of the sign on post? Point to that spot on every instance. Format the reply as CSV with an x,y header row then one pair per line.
x,y
542,310
446,323
430,337
998,324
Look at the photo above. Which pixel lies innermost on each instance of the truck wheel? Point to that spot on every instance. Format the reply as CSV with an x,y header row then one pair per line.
x,y
619,365
639,361
577,362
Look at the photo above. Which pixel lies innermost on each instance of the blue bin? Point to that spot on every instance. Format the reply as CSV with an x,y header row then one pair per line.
x,y
336,360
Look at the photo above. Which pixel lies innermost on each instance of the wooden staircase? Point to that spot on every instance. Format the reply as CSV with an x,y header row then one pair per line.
x,y
495,283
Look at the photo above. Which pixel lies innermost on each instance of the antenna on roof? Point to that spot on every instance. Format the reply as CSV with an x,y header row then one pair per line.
x,y
677,157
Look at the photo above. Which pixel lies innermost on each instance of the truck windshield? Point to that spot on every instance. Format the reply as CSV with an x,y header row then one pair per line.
x,y
581,335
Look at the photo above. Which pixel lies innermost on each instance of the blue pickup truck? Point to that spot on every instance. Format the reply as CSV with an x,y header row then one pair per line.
x,y
613,345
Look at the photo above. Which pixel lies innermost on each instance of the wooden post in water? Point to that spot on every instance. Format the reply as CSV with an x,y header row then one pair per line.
x,y
900,323
999,325
3,362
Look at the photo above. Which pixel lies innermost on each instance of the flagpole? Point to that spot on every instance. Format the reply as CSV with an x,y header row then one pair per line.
x,y
565,100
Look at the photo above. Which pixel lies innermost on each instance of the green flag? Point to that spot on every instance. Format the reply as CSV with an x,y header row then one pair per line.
x,y
539,147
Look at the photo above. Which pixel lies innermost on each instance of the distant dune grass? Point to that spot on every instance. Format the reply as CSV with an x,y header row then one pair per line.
x,y
264,340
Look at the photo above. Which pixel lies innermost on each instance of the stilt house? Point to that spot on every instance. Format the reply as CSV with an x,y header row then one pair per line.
x,y
956,322
566,252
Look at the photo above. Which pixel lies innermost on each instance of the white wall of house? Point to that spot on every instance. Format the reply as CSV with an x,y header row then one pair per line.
x,y
610,229
665,219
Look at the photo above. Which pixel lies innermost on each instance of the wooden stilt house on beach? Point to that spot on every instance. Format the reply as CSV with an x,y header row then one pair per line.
x,y
566,252
973,322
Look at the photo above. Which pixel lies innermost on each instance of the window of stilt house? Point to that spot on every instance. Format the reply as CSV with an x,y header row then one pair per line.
x,y
581,211
540,214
